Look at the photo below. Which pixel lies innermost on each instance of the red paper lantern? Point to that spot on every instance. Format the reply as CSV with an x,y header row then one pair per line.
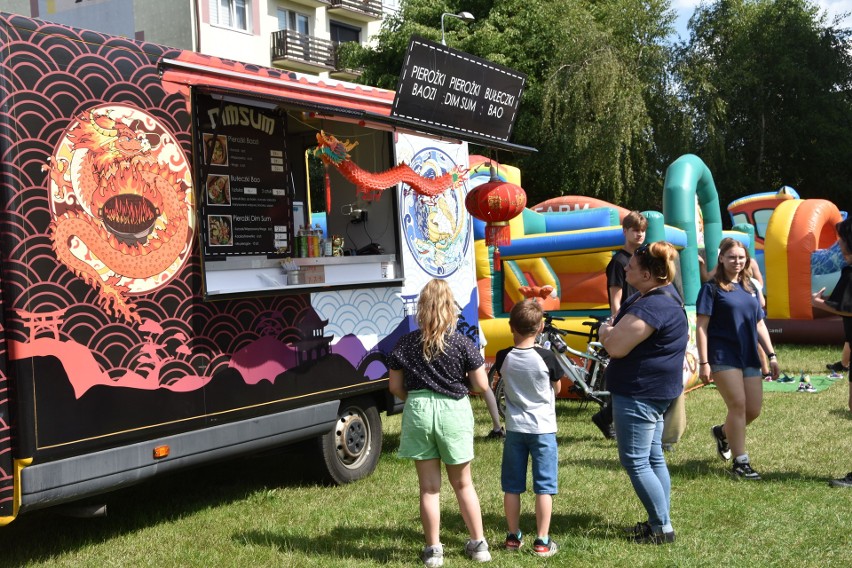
x,y
496,202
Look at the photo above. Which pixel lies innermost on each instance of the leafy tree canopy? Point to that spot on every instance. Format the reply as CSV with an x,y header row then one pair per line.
x,y
766,84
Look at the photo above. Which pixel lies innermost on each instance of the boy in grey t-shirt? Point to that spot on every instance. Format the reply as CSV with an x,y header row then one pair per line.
x,y
531,376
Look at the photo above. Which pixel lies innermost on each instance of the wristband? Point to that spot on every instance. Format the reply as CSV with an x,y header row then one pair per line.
x,y
704,362
772,356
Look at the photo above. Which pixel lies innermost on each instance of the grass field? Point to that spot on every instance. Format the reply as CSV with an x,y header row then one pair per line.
x,y
266,511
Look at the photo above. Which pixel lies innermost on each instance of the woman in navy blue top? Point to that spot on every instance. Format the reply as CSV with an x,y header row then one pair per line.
x,y
647,342
729,325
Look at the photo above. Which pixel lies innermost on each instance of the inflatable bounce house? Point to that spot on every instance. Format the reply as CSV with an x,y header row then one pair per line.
x,y
793,240
566,242
796,248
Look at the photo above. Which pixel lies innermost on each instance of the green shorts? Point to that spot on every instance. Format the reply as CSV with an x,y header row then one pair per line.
x,y
436,426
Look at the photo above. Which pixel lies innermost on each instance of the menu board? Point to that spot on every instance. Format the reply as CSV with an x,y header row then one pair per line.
x,y
246,186
444,87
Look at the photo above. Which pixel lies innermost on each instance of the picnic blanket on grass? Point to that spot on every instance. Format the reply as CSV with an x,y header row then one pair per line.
x,y
820,383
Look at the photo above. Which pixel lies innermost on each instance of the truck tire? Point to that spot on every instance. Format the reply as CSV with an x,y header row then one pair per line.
x,y
351,450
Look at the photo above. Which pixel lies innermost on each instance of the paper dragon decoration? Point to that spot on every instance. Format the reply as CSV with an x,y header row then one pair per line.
x,y
370,184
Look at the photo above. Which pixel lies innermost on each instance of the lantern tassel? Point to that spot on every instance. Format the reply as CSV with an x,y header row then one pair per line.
x,y
498,234
497,265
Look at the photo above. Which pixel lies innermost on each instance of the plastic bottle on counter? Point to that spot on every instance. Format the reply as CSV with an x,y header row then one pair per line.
x,y
316,235
309,249
302,240
320,240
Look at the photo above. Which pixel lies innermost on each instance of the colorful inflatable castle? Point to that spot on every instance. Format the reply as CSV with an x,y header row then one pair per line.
x,y
565,243
796,248
793,240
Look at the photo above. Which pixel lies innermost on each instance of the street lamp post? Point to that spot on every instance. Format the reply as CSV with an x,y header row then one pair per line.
x,y
463,16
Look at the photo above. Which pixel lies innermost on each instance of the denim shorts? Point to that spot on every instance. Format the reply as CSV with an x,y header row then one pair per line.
x,y
747,372
517,447
436,426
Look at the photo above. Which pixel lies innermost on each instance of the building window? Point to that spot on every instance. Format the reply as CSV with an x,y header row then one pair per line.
x,y
293,21
341,33
231,13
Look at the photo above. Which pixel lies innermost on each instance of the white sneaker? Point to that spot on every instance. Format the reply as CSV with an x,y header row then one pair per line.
x,y
477,551
433,556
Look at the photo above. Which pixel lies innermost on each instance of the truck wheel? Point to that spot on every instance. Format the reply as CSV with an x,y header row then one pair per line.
x,y
351,450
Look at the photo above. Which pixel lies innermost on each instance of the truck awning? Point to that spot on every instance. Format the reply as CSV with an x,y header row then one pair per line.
x,y
327,97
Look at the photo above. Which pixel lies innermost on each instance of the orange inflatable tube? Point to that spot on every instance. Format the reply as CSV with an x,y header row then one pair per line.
x,y
809,226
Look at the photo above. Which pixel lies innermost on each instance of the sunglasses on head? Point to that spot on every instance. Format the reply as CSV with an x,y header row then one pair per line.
x,y
642,250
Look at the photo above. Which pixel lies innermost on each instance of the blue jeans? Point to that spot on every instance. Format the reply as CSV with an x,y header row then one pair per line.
x,y
542,448
638,432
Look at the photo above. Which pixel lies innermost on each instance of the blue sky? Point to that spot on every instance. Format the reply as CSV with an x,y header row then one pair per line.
x,y
685,9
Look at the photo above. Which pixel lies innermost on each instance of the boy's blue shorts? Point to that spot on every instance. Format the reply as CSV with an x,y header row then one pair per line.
x,y
517,447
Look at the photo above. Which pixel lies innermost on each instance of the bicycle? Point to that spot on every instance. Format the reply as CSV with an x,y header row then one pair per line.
x,y
587,379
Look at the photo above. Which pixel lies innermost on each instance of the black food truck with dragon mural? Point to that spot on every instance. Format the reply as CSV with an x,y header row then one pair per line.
x,y
166,298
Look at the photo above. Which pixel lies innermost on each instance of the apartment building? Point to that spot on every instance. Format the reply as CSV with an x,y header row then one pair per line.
x,y
298,35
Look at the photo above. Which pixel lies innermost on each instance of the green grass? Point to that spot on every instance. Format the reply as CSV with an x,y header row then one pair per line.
x,y
266,511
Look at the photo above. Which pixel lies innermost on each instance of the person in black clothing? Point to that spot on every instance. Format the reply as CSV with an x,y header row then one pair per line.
x,y
618,290
840,303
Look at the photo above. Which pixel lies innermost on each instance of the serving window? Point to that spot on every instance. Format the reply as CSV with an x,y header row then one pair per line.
x,y
272,219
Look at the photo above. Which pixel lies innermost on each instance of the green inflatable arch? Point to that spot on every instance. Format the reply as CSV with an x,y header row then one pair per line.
x,y
687,178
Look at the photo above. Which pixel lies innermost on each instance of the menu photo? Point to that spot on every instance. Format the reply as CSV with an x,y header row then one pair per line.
x,y
218,190
220,230
216,149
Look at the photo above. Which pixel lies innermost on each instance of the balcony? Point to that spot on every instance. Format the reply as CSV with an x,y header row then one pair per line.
x,y
299,52
361,10
312,3
339,71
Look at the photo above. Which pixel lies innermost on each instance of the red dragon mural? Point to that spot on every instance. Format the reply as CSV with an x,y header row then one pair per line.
x,y
123,211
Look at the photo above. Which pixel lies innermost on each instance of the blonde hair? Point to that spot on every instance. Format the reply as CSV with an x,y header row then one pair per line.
x,y
437,315
744,277
660,259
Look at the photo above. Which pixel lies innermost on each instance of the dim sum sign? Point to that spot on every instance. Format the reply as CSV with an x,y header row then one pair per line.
x,y
443,87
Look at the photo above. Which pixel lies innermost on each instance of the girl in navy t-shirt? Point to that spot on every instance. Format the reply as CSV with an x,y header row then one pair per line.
x,y
729,326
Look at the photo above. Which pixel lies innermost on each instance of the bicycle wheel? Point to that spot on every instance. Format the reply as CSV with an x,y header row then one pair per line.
x,y
597,377
499,393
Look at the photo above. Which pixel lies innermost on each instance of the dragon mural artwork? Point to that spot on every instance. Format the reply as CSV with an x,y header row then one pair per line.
x,y
122,204
333,152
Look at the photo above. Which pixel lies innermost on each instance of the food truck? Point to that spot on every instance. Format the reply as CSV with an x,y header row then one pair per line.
x,y
203,258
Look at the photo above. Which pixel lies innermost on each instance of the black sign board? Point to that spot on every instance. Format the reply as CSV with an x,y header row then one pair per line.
x,y
448,88
246,196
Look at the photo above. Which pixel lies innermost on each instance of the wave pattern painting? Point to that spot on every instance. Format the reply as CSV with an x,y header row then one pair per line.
x,y
372,313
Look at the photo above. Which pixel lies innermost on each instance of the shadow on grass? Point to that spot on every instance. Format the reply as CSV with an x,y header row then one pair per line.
x,y
842,413
150,503
390,443
342,542
349,542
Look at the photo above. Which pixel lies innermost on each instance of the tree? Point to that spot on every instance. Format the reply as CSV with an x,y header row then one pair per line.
x,y
767,84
